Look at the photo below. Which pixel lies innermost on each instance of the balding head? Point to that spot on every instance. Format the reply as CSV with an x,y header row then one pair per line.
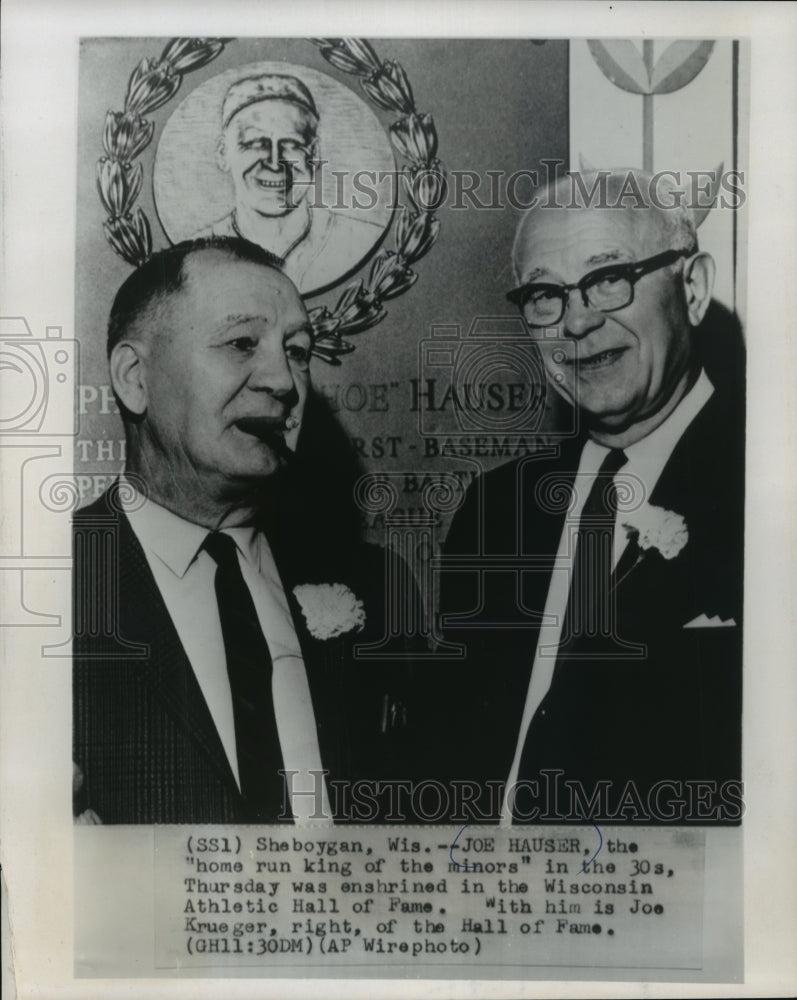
x,y
652,205
147,291
209,363
611,284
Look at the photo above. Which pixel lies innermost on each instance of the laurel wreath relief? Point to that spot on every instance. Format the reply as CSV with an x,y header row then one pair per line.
x,y
127,133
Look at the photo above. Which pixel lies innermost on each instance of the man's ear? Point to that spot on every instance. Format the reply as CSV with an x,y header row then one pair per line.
x,y
698,277
127,376
221,155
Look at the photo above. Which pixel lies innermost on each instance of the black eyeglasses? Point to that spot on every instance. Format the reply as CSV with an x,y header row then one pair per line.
x,y
608,288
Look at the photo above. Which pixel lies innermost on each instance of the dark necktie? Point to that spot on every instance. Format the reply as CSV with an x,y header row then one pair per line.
x,y
249,668
589,604
588,615
588,625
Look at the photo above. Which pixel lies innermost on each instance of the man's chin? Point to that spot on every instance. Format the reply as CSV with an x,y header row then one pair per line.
x,y
271,210
270,460
615,419
276,206
602,421
254,462
247,481
273,204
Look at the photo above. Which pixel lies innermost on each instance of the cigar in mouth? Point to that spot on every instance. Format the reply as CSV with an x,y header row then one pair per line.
x,y
270,430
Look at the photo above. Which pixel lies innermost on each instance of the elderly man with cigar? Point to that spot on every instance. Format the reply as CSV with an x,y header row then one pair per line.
x,y
216,610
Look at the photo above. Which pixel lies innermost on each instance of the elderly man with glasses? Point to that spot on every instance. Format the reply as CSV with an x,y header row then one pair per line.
x,y
603,673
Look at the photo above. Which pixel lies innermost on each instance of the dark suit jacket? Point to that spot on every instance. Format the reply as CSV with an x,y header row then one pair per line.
x,y
143,735
673,713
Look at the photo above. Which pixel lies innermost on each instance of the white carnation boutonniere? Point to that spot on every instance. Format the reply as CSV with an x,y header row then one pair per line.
x,y
657,528
330,609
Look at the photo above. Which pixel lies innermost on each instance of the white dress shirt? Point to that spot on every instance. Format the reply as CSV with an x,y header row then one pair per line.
x,y
185,575
645,462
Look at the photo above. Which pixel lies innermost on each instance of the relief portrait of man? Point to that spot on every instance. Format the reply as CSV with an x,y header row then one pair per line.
x,y
268,157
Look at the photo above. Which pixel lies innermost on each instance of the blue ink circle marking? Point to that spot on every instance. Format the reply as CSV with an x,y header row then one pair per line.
x,y
590,860
451,850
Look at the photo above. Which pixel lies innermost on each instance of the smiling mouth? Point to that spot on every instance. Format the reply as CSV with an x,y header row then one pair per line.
x,y
281,184
596,361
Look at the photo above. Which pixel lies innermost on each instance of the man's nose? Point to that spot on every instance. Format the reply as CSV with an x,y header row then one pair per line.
x,y
580,319
271,156
271,373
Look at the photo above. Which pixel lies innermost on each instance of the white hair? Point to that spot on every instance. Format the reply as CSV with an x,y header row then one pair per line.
x,y
617,189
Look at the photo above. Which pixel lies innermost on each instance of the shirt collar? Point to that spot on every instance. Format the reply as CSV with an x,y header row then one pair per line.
x,y
647,458
174,540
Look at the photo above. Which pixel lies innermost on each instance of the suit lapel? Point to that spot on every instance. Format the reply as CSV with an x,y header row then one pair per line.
x,y
167,672
325,660
543,517
626,562
697,477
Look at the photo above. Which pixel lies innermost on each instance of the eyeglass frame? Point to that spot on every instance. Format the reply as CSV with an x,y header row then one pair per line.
x,y
631,271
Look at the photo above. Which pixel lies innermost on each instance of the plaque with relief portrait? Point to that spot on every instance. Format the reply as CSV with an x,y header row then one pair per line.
x,y
323,153
272,152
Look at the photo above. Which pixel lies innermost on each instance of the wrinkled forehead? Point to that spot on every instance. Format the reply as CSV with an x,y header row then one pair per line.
x,y
568,242
272,116
217,286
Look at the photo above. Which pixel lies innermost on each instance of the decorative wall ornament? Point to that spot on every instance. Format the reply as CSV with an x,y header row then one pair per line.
x,y
413,136
622,64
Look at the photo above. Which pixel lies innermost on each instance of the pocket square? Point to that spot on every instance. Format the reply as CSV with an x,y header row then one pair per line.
x,y
703,621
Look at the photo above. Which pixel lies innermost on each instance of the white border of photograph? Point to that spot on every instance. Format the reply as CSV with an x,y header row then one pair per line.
x,y
39,116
